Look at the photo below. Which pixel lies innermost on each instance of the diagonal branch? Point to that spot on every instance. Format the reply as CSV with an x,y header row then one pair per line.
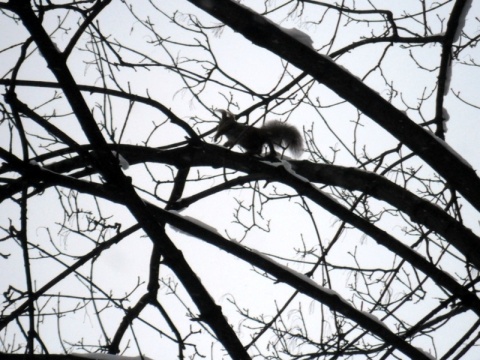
x,y
297,281
268,35
445,69
300,282
97,9
122,187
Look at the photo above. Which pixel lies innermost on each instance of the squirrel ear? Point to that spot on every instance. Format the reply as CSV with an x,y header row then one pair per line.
x,y
225,114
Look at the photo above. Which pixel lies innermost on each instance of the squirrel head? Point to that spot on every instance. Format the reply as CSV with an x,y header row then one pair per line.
x,y
226,115
225,122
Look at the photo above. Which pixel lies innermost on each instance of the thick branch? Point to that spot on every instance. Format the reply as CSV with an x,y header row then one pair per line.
x,y
268,35
299,282
210,313
446,63
419,210
58,65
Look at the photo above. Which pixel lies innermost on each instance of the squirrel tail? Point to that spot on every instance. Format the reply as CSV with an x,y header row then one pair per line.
x,y
285,135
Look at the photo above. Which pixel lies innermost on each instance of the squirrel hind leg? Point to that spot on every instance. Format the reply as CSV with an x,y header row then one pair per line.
x,y
255,150
229,143
271,148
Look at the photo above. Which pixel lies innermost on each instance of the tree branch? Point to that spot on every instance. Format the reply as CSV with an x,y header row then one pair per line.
x,y
268,35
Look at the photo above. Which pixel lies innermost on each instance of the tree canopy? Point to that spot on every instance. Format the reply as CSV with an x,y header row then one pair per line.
x,y
126,228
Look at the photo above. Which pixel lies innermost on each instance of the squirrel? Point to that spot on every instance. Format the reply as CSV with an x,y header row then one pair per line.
x,y
253,139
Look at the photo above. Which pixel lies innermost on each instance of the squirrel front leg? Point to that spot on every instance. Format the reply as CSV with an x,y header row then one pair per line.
x,y
229,143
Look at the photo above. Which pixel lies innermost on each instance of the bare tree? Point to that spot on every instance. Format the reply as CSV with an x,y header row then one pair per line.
x,y
126,229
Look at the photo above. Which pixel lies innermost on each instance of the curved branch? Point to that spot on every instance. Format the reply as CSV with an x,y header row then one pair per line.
x,y
120,94
153,226
176,261
299,282
268,35
419,210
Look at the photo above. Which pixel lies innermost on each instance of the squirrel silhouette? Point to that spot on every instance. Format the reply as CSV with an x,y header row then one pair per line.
x,y
252,139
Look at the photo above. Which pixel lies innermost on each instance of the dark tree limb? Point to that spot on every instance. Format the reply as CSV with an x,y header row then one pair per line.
x,y
106,164
297,281
446,63
268,35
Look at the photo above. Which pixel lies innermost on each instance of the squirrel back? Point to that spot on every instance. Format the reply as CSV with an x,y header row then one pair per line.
x,y
253,139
